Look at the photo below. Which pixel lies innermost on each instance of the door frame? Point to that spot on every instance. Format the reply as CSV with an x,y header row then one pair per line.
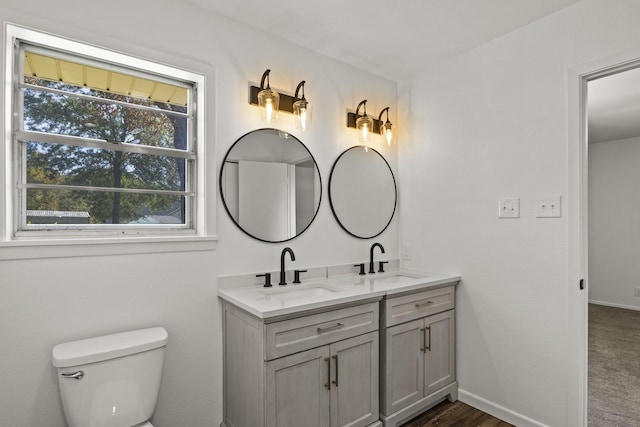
x,y
578,209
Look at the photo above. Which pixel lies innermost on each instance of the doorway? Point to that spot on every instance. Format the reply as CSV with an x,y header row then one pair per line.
x,y
613,148
578,222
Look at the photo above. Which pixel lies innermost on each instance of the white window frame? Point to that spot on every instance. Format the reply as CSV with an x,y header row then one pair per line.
x,y
10,214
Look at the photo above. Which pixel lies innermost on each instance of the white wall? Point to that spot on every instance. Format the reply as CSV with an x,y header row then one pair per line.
x,y
490,123
494,123
47,301
614,222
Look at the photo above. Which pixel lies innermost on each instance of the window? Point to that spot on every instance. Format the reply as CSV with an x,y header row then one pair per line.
x,y
102,143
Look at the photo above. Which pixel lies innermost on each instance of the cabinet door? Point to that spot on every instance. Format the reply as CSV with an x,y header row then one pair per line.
x,y
404,370
297,390
440,354
354,381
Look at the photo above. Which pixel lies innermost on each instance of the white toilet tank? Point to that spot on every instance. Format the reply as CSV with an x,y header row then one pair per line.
x,y
112,380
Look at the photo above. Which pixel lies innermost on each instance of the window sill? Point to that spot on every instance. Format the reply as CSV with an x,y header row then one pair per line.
x,y
65,248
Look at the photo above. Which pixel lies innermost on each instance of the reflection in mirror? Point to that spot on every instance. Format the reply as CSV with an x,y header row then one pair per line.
x,y
270,185
362,192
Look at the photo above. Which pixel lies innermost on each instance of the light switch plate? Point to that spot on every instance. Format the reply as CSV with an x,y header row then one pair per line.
x,y
509,208
549,207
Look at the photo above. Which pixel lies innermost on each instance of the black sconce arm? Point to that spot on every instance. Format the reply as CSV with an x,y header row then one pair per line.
x,y
381,112
363,103
265,75
300,86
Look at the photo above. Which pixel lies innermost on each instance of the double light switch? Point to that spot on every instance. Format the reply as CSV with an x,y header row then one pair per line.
x,y
546,207
509,208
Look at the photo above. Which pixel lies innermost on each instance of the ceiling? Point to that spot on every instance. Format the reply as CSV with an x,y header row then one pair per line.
x,y
398,39
391,38
614,107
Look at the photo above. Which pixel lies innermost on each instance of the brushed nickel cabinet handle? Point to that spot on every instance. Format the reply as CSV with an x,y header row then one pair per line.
x,y
428,347
328,384
331,328
424,304
335,357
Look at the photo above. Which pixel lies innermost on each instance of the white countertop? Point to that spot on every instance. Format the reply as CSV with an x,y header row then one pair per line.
x,y
325,292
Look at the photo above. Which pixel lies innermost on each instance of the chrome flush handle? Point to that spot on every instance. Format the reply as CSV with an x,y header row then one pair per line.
x,y
75,375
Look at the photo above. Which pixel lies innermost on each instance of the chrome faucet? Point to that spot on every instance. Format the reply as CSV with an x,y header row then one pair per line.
x,y
283,277
371,268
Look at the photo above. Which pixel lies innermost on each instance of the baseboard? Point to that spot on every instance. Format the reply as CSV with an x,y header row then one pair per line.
x,y
611,304
496,410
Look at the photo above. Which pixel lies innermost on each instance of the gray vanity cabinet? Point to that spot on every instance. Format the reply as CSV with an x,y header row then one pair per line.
x,y
295,390
404,369
335,385
418,358
316,369
439,359
354,395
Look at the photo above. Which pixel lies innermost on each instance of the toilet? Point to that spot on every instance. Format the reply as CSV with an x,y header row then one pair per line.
x,y
111,380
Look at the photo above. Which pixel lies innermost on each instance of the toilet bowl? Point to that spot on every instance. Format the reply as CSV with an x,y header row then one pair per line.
x,y
112,380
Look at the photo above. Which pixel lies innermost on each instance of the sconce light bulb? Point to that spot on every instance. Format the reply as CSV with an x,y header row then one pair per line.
x,y
302,112
385,128
268,103
303,119
387,132
269,110
389,135
365,132
364,124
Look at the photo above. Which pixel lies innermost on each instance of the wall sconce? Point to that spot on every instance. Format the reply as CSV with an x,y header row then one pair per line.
x,y
271,102
302,109
268,100
363,123
366,125
385,128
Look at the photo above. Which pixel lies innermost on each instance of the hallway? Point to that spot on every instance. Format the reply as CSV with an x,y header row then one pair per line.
x,y
614,367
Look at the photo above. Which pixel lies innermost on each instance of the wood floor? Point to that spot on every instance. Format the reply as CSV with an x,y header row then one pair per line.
x,y
458,414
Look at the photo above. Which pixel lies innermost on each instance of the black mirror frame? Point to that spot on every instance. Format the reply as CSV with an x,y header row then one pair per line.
x,y
395,186
224,203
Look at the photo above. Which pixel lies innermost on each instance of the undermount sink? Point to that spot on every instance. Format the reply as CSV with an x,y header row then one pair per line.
x,y
293,292
390,279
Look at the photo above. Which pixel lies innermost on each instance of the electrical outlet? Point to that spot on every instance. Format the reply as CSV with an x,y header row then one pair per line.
x,y
407,252
637,292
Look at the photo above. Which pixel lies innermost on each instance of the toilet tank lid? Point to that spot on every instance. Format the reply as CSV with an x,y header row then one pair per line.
x,y
107,347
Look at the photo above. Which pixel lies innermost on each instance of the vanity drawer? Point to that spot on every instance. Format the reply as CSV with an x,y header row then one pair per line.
x,y
303,333
414,306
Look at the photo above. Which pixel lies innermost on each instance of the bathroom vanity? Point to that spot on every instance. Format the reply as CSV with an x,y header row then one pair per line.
x,y
358,351
418,358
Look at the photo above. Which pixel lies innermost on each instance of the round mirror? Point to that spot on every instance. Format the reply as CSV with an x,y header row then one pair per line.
x,y
270,185
362,192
